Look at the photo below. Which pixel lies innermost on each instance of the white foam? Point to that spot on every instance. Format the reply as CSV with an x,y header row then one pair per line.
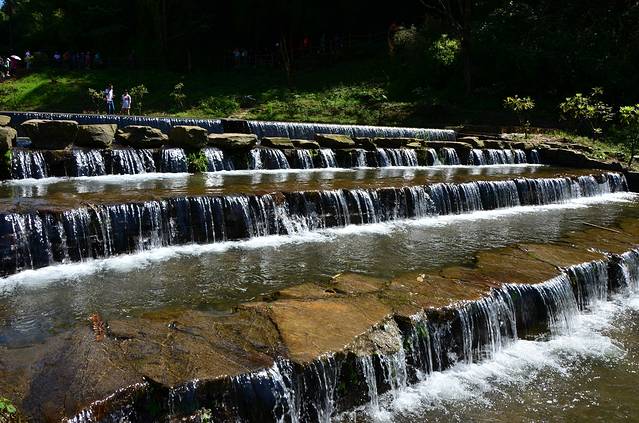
x,y
516,365
130,262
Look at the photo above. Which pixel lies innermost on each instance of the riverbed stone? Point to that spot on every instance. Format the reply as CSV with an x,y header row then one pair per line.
x,y
96,136
475,142
571,158
232,141
282,143
140,136
365,142
8,137
188,137
394,142
306,144
236,126
50,134
335,141
5,120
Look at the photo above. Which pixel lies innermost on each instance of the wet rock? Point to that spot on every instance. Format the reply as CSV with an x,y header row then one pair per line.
x,y
96,136
496,144
306,144
309,329
633,181
415,145
236,126
334,141
138,136
8,137
571,158
235,141
356,283
50,134
475,142
457,145
277,142
394,142
365,143
5,120
188,137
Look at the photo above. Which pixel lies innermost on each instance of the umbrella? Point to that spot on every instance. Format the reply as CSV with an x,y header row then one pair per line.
x,y
15,57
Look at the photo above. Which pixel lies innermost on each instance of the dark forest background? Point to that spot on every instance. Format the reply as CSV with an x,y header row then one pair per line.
x,y
432,51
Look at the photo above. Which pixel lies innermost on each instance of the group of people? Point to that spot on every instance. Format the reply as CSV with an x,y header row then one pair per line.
x,y
78,59
110,104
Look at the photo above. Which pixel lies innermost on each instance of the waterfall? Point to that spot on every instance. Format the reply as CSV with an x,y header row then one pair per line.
x,y
396,157
432,340
328,158
268,158
433,159
449,157
216,160
360,158
534,157
308,131
520,156
173,160
304,158
38,239
128,161
163,123
476,157
89,163
28,164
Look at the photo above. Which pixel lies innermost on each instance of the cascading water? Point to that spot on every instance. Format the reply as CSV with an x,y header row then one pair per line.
x,y
396,157
328,158
216,161
360,158
128,161
41,238
89,163
449,156
534,157
173,160
304,159
308,131
496,157
268,158
28,164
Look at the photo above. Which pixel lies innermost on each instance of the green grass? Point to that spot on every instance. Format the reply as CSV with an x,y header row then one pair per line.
x,y
344,93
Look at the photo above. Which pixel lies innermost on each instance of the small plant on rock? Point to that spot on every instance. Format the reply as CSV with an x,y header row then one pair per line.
x,y
521,106
629,120
137,93
587,110
197,162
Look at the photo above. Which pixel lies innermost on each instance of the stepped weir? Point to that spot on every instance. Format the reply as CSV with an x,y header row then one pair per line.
x,y
180,270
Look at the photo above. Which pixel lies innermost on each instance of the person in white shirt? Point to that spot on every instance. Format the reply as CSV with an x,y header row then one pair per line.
x,y
126,103
108,96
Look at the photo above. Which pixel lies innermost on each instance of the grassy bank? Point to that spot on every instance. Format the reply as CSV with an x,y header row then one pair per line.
x,y
345,93
360,92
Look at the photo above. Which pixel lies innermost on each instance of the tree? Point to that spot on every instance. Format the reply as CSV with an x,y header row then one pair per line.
x,y
587,110
457,13
629,119
178,95
521,107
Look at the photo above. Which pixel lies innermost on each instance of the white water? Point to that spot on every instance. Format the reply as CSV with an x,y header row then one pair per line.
x,y
515,366
130,262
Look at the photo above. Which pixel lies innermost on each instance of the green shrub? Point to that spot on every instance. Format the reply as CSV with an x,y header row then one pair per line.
x,y
137,95
629,122
97,99
8,411
445,50
178,96
587,110
197,162
520,106
220,106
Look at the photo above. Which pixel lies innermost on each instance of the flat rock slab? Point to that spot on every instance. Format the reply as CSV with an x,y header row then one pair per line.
x,y
232,141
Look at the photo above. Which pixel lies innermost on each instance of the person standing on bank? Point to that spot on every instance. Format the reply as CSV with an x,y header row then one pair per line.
x,y
126,103
108,96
